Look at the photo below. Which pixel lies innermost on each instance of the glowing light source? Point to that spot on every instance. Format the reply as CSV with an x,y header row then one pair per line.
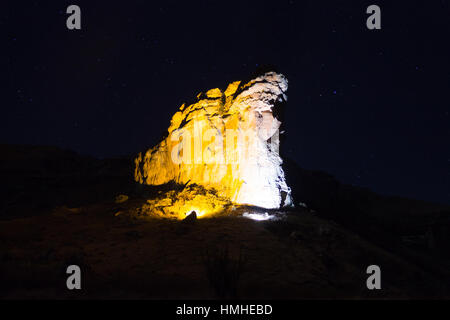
x,y
179,204
258,216
197,212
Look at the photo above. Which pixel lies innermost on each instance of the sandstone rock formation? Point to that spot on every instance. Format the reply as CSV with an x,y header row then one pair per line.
x,y
228,141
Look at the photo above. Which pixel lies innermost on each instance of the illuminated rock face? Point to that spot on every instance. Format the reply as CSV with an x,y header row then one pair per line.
x,y
178,205
228,141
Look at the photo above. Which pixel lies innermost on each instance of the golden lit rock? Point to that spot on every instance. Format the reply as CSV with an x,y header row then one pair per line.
x,y
227,142
178,205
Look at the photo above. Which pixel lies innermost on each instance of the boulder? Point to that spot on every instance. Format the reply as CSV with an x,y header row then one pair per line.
x,y
228,140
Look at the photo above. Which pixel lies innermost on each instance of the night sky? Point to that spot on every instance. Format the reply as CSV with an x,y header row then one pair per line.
x,y
370,107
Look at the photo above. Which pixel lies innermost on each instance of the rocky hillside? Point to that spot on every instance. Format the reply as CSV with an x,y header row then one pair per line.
x,y
35,179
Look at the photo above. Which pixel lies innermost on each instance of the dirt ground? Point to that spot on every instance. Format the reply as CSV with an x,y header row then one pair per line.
x,y
125,257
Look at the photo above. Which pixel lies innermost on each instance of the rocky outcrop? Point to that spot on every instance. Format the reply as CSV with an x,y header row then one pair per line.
x,y
228,141
178,204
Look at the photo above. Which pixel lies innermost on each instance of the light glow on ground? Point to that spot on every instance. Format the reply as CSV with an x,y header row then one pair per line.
x,y
258,216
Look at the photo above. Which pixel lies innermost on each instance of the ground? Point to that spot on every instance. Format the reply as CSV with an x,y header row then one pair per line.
x,y
298,256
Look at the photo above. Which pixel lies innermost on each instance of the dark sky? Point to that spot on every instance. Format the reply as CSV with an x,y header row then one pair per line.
x,y
368,106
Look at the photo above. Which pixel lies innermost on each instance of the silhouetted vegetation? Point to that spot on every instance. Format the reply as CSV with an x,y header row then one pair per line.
x,y
223,271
